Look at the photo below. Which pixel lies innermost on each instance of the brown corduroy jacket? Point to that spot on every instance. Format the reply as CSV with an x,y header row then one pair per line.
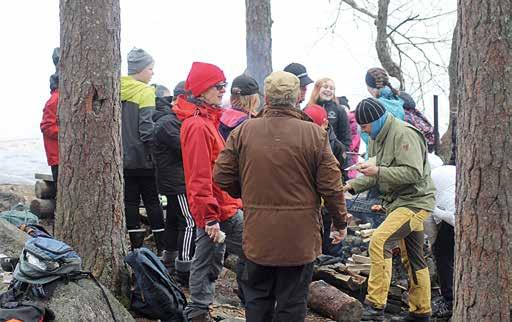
x,y
280,165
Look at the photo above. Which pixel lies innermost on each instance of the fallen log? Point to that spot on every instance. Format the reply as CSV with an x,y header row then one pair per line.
x,y
359,259
45,189
43,208
361,268
342,280
333,303
42,176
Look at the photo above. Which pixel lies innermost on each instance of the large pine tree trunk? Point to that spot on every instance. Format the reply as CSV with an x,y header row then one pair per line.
x,y
483,263
258,22
90,196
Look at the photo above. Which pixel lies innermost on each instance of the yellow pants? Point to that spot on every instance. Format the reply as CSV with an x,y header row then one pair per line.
x,y
406,227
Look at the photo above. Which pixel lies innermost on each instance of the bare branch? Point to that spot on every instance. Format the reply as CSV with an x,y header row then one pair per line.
x,y
354,5
402,23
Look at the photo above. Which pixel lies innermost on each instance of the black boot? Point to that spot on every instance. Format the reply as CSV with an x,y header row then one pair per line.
x,y
183,271
169,260
371,313
159,242
136,238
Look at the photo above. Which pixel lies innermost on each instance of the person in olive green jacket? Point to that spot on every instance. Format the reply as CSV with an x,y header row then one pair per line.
x,y
399,168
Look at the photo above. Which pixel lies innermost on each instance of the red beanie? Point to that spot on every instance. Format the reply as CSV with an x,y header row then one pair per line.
x,y
202,76
316,113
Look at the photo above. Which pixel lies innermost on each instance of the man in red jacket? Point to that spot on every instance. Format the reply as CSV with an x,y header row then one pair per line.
x,y
214,211
49,123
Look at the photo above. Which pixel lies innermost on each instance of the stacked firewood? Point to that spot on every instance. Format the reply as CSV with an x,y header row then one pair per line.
x,y
43,205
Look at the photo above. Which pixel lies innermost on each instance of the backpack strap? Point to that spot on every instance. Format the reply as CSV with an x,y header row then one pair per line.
x,y
84,274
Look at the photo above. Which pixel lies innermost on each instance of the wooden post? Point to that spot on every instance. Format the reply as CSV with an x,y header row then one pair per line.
x,y
43,208
45,189
333,303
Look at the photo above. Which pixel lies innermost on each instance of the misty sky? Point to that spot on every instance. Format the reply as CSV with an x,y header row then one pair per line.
x,y
176,33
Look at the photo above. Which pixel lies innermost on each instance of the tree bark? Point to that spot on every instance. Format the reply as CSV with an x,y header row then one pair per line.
x,y
333,303
483,228
382,45
258,43
445,150
90,196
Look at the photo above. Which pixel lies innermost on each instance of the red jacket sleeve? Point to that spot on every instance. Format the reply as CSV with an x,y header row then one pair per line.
x,y
197,144
49,125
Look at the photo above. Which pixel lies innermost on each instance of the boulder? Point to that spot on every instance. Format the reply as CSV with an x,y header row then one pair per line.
x,y
9,199
75,301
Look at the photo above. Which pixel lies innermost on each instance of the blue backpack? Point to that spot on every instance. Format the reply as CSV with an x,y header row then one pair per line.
x,y
155,295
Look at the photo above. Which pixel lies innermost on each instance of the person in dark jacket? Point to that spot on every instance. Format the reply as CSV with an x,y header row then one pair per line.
x,y
49,124
137,127
179,225
324,95
244,100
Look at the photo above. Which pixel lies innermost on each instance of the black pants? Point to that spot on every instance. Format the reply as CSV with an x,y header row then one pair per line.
x,y
137,184
180,228
443,250
55,174
277,294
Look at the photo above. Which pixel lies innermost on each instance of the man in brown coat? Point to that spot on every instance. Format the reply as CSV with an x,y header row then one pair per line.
x,y
280,165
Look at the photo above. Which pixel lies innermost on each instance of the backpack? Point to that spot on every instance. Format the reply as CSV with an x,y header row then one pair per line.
x,y
44,260
18,217
35,230
14,307
155,295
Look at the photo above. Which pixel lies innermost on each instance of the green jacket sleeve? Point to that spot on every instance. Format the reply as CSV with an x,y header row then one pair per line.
x,y
408,161
362,183
146,108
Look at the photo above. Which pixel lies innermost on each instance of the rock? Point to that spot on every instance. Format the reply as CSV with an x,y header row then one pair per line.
x,y
9,199
75,301
83,301
12,239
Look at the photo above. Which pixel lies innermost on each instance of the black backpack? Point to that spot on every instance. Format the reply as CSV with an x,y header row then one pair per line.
x,y
155,295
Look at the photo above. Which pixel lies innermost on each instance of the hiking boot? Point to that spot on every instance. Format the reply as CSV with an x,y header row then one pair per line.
x,y
159,242
205,317
371,313
169,258
443,310
136,238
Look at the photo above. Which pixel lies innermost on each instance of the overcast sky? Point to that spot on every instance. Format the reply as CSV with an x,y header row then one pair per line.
x,y
176,33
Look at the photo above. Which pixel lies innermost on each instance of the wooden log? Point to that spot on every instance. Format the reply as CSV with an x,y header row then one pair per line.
x,y
333,303
42,176
43,208
340,280
361,268
358,259
45,189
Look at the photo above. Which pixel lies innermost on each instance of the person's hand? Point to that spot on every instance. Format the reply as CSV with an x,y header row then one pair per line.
x,y
368,169
338,235
212,231
347,187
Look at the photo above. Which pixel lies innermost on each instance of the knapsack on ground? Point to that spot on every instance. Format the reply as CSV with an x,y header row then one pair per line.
x,y
35,230
155,295
17,217
44,260
18,307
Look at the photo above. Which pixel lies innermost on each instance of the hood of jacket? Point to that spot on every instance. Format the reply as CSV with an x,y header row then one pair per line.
x,y
130,88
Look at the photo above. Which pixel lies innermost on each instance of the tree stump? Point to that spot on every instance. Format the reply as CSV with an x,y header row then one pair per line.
x,y
333,303
45,189
43,208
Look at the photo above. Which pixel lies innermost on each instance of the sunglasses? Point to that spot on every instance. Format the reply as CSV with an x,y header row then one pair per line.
x,y
220,86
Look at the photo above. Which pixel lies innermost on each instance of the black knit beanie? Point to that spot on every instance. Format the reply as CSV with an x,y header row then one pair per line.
x,y
369,110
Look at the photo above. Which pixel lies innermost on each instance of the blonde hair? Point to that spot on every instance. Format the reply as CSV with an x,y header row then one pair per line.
x,y
315,94
248,103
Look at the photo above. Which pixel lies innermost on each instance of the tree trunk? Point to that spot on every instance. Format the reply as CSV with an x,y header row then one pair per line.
x,y
258,43
483,228
90,196
382,45
445,150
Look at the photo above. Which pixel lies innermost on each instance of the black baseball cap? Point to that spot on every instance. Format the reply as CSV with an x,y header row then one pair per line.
x,y
244,85
300,71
